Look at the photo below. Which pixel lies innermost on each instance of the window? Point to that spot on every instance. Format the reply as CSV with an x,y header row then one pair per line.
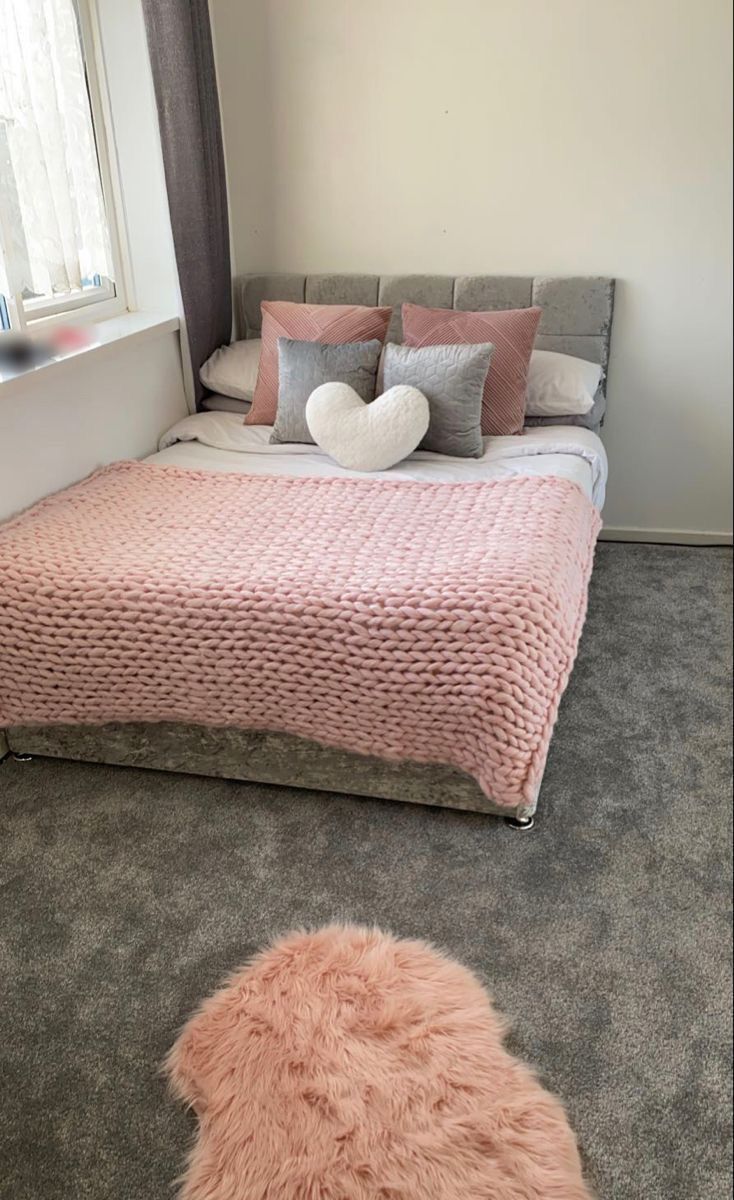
x,y
59,252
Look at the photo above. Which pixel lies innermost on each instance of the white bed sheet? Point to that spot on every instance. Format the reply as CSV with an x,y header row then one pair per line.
x,y
219,441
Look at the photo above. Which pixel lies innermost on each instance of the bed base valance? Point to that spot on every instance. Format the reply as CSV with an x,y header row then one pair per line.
x,y
259,757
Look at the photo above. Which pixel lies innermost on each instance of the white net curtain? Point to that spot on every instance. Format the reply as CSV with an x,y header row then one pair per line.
x,y
53,229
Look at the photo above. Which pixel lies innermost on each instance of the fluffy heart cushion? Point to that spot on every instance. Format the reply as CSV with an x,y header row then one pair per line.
x,y
367,437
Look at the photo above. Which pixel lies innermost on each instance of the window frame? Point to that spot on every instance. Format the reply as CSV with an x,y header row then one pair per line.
x,y
108,299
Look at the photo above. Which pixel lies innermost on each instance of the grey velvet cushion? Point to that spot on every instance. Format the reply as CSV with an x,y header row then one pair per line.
x,y
304,366
452,380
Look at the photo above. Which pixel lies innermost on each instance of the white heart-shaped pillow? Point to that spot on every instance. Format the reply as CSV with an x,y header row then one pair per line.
x,y
367,437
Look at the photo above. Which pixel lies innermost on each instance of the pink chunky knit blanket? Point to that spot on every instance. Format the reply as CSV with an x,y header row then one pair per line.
x,y
420,621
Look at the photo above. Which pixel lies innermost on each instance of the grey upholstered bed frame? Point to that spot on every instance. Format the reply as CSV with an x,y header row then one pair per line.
x,y
577,312
577,319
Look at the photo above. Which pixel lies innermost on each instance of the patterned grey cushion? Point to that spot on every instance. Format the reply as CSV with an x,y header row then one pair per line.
x,y
304,366
452,380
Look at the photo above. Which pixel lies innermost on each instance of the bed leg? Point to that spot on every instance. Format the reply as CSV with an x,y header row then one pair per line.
x,y
523,823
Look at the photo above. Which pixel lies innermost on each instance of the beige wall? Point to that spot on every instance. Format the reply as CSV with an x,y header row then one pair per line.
x,y
512,136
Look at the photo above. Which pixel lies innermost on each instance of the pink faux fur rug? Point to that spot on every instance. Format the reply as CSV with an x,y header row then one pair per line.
x,y
349,1065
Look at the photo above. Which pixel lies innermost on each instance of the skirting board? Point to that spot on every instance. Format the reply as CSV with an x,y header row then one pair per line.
x,y
664,537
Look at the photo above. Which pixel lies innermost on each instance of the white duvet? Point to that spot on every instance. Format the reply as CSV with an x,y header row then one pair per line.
x,y
219,441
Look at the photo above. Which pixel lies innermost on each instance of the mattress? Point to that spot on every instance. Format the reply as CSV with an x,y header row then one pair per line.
x,y
219,441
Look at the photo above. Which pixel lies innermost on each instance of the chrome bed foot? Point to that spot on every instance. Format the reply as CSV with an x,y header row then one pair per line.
x,y
21,757
523,823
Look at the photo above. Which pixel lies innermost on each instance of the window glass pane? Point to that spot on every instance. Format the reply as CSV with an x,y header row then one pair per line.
x,y
54,228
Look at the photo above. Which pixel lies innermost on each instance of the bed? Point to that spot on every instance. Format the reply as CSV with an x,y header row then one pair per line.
x,y
216,445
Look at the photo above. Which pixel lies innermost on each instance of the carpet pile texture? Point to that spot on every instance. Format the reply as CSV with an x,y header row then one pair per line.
x,y
603,935
345,1064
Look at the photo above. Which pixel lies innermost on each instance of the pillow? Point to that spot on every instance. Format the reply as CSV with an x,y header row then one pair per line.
x,y
590,420
225,404
332,324
367,437
304,366
452,379
511,332
560,385
232,370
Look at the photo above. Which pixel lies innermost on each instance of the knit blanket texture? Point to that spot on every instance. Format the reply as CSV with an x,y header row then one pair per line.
x,y
431,622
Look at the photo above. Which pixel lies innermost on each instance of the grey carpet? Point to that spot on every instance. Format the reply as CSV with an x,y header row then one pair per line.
x,y
604,934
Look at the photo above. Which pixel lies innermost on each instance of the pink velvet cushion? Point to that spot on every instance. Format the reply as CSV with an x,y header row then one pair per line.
x,y
511,332
330,324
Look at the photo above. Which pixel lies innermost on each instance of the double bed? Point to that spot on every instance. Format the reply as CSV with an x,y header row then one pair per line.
x,y
219,441
553,464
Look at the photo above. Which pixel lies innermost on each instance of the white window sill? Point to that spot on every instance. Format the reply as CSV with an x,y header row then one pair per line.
x,y
108,336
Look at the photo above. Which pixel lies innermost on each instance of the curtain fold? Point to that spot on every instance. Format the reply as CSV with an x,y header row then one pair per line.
x,y
184,77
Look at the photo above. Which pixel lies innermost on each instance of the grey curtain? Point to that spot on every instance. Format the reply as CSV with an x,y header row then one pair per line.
x,y
182,58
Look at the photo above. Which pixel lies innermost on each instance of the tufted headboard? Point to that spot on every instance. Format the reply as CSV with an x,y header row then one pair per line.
x,y
577,312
